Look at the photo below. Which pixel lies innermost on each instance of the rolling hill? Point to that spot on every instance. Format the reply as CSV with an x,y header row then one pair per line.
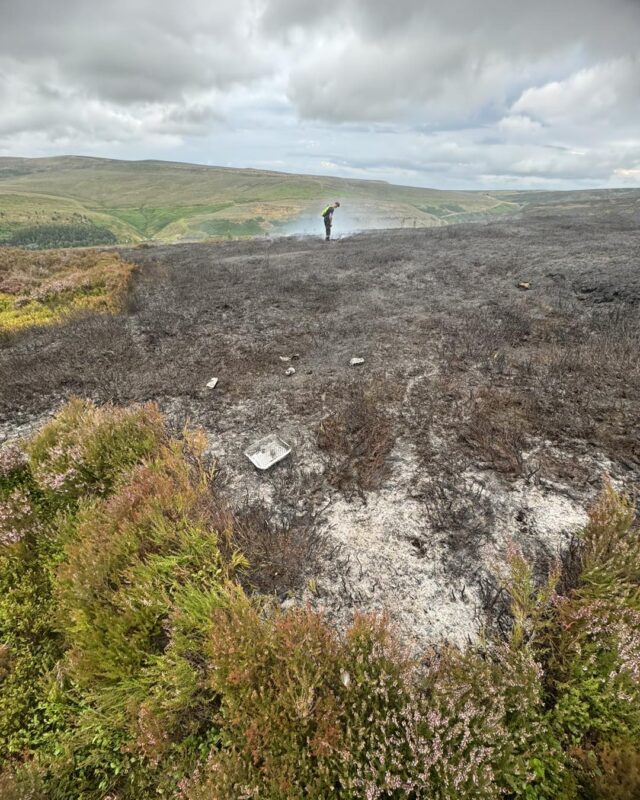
x,y
152,200
81,200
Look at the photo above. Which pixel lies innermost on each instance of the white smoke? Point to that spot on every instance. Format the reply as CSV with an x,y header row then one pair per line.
x,y
347,220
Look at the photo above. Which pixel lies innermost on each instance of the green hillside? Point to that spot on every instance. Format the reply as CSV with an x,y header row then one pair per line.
x,y
83,200
152,200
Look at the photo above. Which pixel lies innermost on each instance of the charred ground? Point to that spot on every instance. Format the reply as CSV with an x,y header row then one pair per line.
x,y
483,412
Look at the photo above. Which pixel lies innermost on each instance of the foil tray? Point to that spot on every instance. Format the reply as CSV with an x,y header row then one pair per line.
x,y
266,452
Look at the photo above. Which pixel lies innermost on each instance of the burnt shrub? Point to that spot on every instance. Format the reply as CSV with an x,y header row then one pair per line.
x,y
358,434
588,389
281,538
496,428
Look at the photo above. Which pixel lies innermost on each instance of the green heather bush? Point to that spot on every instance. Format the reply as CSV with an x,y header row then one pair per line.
x,y
307,714
594,649
141,577
611,772
77,456
133,664
304,713
85,450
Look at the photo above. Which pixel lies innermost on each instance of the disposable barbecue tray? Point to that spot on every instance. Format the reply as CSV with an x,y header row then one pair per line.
x,y
268,451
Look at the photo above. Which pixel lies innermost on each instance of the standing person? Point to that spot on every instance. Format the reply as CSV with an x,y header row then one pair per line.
x,y
328,218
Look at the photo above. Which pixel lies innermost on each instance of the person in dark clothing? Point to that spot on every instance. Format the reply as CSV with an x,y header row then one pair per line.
x,y
328,218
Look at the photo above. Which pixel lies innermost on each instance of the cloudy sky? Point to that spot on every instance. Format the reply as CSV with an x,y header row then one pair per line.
x,y
455,94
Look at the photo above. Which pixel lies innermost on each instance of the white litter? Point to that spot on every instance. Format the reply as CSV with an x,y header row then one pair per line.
x,y
212,383
290,371
268,451
355,361
285,358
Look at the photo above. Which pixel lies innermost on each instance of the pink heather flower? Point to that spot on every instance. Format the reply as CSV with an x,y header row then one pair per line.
x,y
14,512
60,468
57,480
11,457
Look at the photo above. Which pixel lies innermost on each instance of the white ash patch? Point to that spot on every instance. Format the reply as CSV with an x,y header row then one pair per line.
x,y
382,572
552,518
532,515
538,520
13,432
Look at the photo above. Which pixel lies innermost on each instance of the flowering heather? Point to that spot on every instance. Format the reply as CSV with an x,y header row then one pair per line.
x,y
43,287
60,467
12,457
16,512
628,641
85,447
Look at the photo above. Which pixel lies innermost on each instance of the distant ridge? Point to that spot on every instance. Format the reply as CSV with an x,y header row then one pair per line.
x,y
169,201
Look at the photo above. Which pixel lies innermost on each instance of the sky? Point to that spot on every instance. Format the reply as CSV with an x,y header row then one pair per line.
x,y
462,94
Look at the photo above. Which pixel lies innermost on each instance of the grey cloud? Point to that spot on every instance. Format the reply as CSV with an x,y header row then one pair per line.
x,y
195,120
135,50
520,163
607,91
377,60
508,26
448,93
404,80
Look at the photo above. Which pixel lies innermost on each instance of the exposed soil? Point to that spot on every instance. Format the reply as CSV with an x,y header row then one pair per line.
x,y
483,412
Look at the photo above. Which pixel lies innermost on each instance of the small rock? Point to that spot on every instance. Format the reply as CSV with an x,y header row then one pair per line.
x,y
212,383
524,285
355,361
285,358
290,371
295,356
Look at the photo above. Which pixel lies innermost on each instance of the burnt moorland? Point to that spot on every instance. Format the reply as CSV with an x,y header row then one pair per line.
x,y
501,380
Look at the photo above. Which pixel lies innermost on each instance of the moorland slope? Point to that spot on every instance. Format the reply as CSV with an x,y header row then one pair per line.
x,y
77,200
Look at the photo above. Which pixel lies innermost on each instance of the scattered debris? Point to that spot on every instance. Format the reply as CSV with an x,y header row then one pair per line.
x,y
524,285
355,361
212,383
268,451
295,356
290,371
285,358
